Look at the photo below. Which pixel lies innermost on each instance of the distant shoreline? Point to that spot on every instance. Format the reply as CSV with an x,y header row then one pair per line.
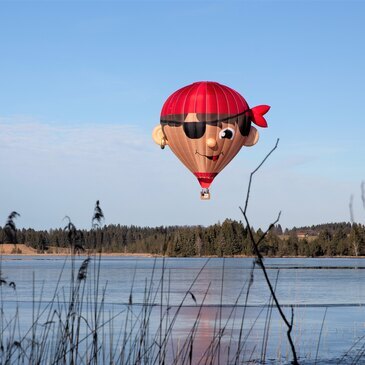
x,y
7,249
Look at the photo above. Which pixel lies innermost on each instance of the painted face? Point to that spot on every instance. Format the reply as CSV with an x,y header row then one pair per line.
x,y
206,142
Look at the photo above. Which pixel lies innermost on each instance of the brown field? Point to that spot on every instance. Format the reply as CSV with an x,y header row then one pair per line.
x,y
21,249
8,249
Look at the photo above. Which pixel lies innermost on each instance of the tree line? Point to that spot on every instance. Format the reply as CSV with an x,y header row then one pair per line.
x,y
228,238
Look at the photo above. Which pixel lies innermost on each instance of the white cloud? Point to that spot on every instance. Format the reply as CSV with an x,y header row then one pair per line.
x,y
92,140
62,168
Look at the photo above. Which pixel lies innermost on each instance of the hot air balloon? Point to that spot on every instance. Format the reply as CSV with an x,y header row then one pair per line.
x,y
206,124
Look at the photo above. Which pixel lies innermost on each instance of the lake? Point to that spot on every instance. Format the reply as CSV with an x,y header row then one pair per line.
x,y
214,310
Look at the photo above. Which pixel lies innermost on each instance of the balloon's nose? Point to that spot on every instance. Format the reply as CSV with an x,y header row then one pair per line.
x,y
211,142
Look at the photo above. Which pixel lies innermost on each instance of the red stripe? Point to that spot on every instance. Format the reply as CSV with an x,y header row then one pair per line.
x,y
205,97
205,178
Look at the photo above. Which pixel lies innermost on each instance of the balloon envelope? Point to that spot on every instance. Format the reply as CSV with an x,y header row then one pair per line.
x,y
205,125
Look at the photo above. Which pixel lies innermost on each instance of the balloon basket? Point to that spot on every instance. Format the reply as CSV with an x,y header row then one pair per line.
x,y
205,194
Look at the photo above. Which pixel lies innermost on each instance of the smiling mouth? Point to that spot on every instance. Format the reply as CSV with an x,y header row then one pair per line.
x,y
211,158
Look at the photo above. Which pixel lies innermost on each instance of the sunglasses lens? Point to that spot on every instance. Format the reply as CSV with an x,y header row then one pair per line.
x,y
194,130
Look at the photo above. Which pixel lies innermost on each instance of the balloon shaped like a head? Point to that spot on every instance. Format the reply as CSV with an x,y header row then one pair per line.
x,y
206,124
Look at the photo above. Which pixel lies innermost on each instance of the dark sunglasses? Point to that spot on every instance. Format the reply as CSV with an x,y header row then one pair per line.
x,y
196,130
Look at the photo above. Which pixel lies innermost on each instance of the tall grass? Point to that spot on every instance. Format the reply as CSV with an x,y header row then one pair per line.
x,y
75,327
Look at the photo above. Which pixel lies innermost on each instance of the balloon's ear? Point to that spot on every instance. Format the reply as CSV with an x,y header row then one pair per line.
x,y
252,138
159,137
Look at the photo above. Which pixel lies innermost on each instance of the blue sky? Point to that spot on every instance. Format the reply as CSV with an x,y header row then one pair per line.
x,y
82,84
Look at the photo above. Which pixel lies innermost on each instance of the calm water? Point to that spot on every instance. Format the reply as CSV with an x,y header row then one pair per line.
x,y
325,293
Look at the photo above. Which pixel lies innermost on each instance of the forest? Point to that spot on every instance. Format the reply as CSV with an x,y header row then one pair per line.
x,y
228,238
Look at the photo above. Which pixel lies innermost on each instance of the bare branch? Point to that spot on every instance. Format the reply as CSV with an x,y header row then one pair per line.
x,y
259,259
268,230
254,171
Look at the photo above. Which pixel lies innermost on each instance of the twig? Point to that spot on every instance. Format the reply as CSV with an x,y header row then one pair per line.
x,y
254,171
260,261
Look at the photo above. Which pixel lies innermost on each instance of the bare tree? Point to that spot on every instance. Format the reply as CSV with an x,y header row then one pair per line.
x,y
260,261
